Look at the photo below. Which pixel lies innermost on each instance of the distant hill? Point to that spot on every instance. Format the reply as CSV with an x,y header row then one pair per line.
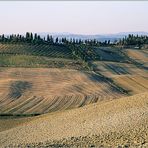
x,y
99,37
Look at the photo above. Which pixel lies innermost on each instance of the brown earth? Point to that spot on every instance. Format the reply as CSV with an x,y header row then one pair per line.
x,y
120,122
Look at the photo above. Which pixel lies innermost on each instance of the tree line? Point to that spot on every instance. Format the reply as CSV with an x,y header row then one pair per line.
x,y
134,40
31,38
37,39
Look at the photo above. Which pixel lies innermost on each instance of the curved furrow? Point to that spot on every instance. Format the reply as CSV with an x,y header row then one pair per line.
x,y
7,102
51,90
61,104
15,105
71,102
49,107
77,100
42,106
28,105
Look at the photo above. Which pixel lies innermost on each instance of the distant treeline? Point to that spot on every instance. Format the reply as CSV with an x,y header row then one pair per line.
x,y
37,39
133,40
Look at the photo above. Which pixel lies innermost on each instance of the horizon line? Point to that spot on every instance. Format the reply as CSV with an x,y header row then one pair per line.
x,y
71,33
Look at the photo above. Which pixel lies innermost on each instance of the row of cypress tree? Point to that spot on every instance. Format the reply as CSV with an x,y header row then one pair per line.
x,y
37,39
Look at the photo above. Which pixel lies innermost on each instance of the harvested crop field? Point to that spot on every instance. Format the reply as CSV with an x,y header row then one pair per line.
x,y
135,84
41,90
120,122
138,55
115,69
128,76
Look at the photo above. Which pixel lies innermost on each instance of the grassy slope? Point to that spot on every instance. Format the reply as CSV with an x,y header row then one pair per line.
x,y
113,123
35,56
52,51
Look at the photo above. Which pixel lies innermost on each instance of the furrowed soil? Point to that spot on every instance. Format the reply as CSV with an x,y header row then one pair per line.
x,y
117,123
41,90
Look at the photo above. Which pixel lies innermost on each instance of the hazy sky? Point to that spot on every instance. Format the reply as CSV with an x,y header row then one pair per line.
x,y
82,17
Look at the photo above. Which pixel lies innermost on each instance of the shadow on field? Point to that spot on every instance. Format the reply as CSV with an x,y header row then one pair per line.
x,y
118,89
111,84
17,88
117,69
96,78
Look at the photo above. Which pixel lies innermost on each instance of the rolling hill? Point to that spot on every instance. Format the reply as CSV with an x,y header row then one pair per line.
x,y
37,79
43,90
86,103
117,123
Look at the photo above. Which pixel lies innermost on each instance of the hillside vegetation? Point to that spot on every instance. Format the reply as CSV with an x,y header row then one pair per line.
x,y
34,56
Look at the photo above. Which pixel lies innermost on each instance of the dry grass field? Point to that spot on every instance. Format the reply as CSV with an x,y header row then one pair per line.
x,y
115,69
126,73
128,76
140,56
40,90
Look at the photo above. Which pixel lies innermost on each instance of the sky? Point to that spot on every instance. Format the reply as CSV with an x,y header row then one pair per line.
x,y
79,17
